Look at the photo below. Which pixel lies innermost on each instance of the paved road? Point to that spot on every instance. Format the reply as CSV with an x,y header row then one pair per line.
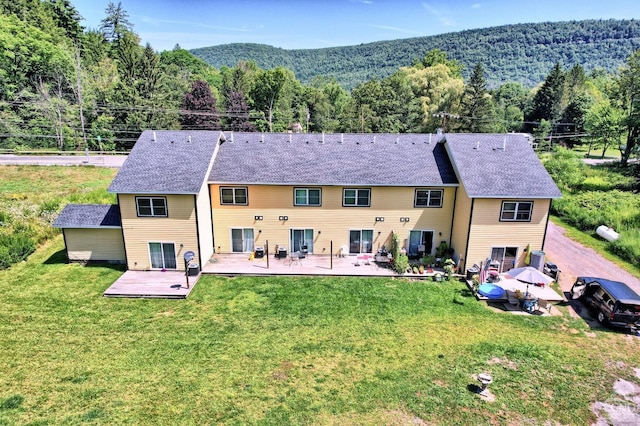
x,y
574,260
63,160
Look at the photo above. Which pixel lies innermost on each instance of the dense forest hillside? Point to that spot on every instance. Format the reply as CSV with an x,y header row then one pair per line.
x,y
521,53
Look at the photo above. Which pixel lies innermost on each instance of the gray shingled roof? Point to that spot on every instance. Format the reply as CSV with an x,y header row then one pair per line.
x,y
349,159
176,162
89,216
488,171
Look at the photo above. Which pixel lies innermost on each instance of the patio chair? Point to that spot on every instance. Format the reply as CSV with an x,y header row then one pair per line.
x,y
544,304
513,299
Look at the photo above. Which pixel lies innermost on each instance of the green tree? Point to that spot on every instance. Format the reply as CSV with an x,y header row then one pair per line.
x,y
116,23
476,103
547,102
27,55
604,122
629,90
267,91
438,89
67,18
573,119
438,57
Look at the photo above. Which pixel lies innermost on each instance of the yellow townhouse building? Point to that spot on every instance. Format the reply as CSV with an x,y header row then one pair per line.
x,y
484,195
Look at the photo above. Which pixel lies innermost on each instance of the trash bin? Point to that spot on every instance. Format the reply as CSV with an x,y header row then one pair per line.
x,y
259,252
471,272
193,269
537,260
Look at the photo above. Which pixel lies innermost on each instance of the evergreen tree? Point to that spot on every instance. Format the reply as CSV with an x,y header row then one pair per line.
x,y
547,102
116,23
476,103
199,110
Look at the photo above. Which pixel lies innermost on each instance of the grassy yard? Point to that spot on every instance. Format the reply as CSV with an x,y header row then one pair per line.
x,y
274,351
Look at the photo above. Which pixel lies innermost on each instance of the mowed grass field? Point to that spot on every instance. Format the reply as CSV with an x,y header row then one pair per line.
x,y
280,350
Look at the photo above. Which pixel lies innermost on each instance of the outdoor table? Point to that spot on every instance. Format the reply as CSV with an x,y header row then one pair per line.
x,y
529,304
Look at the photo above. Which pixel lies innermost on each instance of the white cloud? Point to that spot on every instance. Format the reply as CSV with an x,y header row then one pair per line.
x,y
396,29
187,24
440,16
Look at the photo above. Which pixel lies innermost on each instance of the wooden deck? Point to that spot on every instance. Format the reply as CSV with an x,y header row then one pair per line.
x,y
152,284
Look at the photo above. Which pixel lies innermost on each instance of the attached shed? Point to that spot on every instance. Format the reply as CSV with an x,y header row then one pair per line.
x,y
92,232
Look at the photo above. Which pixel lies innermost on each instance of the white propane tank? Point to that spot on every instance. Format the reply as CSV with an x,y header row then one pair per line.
x,y
607,233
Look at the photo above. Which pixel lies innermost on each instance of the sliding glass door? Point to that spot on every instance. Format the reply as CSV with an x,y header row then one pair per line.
x,y
163,255
360,241
301,238
242,240
420,243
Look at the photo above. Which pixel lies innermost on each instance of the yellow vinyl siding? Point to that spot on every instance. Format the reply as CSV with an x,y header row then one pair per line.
x,y
178,228
331,218
94,244
461,224
205,227
487,231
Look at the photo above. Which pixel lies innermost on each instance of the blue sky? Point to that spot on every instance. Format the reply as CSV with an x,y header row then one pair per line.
x,y
302,24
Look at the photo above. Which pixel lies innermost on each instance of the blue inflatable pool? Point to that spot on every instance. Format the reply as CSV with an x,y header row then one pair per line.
x,y
491,291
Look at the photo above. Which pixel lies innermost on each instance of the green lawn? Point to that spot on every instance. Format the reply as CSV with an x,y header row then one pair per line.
x,y
287,351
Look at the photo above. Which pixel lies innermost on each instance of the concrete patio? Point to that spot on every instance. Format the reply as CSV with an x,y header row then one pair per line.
x,y
321,265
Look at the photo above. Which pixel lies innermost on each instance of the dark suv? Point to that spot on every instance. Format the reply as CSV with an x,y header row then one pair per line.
x,y
614,302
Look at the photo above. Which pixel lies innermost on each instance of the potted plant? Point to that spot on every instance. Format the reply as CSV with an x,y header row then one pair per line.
x,y
421,269
475,283
448,268
437,277
428,260
415,269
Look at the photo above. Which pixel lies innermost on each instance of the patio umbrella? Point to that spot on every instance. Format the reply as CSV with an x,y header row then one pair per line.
x,y
530,275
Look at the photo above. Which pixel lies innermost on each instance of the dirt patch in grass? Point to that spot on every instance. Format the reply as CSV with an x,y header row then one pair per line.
x,y
624,408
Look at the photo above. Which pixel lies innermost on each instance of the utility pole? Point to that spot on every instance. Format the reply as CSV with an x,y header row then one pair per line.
x,y
444,115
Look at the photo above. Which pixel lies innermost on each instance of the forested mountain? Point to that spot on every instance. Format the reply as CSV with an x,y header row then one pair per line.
x,y
68,88
523,53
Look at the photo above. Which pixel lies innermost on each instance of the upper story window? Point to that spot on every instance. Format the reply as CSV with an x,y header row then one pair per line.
x,y
307,196
428,198
233,195
516,211
151,206
356,197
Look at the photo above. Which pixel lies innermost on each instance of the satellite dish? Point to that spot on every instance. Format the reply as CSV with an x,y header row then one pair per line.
x,y
189,255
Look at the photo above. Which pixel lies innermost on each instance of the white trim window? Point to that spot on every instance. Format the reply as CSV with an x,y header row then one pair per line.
x,y
162,255
307,197
356,197
516,211
151,206
230,195
428,198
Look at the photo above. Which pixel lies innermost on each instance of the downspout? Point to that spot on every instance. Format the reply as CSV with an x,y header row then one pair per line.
x,y
453,215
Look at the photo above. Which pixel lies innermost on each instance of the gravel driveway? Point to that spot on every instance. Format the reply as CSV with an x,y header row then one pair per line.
x,y
575,260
